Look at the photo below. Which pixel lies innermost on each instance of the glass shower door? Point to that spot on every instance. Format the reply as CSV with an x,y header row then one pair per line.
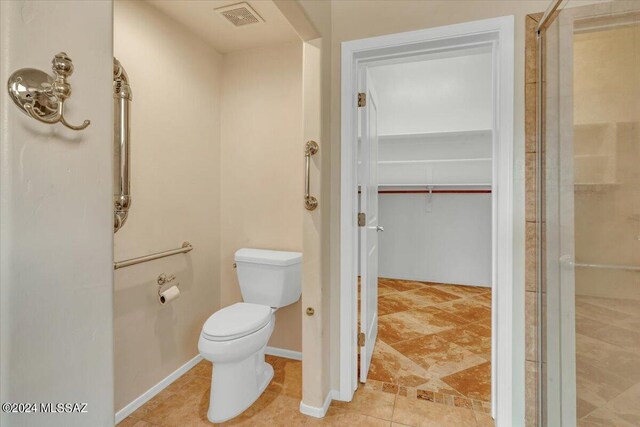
x,y
591,217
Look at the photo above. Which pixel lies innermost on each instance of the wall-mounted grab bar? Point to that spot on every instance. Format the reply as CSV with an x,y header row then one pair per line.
x,y
566,260
122,172
607,266
186,247
310,148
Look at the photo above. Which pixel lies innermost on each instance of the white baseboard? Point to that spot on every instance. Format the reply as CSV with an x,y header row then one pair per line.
x,y
283,352
149,394
343,396
319,412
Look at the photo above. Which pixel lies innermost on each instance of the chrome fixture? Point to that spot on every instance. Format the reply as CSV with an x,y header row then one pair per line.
x,y
186,247
42,96
170,291
310,148
549,15
569,262
169,294
122,173
164,279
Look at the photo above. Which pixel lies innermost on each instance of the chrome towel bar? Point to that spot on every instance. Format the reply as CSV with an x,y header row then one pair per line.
x,y
186,247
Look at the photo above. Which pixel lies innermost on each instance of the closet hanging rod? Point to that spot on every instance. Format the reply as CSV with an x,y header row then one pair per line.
x,y
186,247
433,189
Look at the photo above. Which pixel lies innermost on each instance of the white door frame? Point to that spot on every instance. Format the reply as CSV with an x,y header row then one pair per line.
x,y
507,352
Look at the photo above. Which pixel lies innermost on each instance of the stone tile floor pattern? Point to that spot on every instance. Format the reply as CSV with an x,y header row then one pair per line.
x,y
607,362
431,367
435,338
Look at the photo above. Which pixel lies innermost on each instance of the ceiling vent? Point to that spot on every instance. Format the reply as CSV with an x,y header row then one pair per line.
x,y
240,14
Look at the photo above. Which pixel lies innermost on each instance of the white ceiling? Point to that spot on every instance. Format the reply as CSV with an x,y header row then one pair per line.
x,y
210,25
440,93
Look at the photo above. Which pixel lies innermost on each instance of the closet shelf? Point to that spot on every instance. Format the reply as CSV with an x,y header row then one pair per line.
x,y
443,191
433,135
448,185
408,162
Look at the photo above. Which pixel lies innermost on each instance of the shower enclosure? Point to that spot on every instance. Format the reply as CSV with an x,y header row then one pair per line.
x,y
589,209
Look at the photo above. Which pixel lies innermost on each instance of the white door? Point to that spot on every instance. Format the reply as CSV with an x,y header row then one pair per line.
x,y
369,227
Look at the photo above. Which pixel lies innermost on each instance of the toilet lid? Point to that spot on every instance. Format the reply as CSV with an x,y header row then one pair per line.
x,y
236,321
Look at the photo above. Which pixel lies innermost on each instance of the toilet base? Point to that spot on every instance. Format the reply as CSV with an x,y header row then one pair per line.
x,y
236,386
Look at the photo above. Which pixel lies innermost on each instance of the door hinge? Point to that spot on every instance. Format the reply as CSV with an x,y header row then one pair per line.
x,y
361,339
362,219
362,99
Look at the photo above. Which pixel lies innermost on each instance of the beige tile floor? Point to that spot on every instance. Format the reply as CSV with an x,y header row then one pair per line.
x,y
607,362
428,322
185,403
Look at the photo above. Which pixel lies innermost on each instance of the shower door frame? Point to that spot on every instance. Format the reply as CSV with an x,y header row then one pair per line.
x,y
557,380
507,388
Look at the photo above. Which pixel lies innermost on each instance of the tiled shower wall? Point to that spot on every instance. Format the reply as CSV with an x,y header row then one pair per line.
x,y
531,295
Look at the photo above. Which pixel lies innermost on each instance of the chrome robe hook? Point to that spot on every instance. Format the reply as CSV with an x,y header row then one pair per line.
x,y
42,96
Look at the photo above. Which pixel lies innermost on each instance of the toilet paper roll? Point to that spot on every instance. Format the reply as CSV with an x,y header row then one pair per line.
x,y
168,294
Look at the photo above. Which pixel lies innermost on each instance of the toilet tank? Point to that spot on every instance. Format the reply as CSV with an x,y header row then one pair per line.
x,y
267,277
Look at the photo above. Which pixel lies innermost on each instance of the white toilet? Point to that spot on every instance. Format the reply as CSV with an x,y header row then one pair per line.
x,y
234,338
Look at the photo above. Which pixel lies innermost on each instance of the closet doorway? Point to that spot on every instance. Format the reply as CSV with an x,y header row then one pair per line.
x,y
426,150
428,135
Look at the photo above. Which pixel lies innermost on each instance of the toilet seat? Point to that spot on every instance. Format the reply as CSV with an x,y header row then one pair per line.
x,y
237,320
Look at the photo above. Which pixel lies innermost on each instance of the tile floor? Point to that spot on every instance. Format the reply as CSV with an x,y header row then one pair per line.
x,y
185,403
435,338
442,380
608,361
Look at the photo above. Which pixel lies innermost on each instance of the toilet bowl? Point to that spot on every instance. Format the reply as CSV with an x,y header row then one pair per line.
x,y
237,353
234,338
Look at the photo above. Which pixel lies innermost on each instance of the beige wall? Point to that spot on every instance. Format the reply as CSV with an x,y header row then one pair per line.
x,y
315,341
262,165
56,256
175,185
320,333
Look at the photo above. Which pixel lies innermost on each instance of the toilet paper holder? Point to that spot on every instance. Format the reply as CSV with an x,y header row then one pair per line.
x,y
164,279
164,284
